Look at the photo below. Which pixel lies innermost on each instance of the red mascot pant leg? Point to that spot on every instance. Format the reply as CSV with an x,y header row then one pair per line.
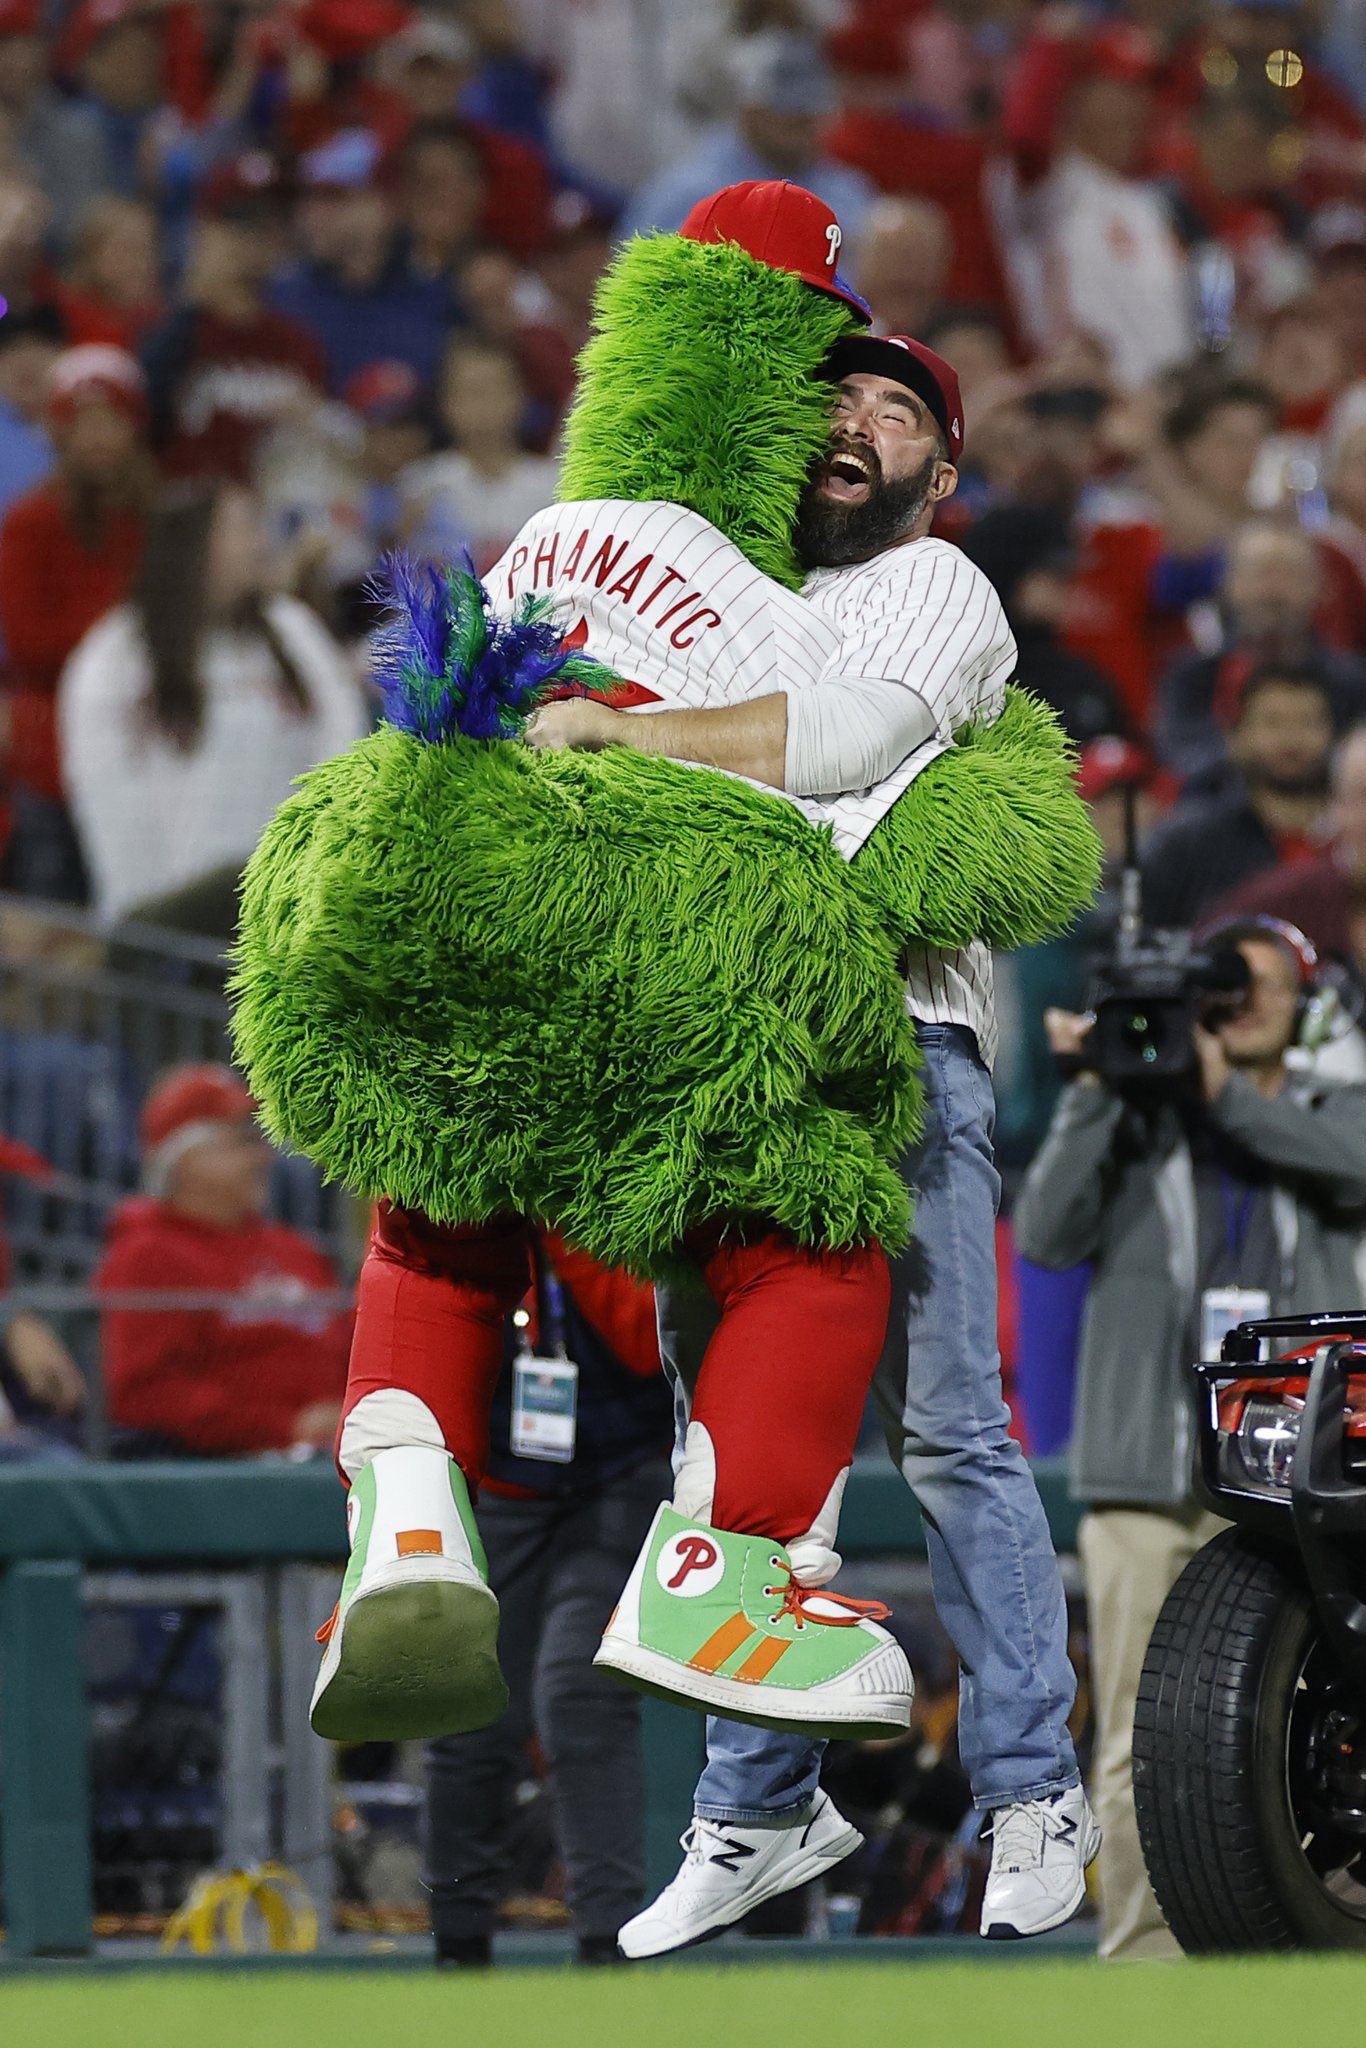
x,y
783,1383
430,1309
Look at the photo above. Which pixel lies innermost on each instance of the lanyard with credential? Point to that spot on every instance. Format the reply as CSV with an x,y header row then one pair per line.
x,y
1239,1202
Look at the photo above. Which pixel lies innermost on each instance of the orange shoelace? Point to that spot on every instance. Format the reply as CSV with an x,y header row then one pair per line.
x,y
795,1597
328,1629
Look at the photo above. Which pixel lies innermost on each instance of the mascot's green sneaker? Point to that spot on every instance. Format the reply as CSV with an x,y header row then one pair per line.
x,y
412,1644
717,1621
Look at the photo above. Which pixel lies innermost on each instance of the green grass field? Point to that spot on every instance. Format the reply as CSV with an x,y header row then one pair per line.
x,y
1227,2004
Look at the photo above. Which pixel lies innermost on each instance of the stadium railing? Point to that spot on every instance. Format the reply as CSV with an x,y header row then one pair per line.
x,y
88,1020
271,1518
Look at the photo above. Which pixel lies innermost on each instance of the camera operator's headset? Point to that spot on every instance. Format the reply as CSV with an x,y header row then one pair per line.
x,y
1310,1012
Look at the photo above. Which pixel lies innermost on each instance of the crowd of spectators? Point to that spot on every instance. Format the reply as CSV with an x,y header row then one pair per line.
x,y
291,282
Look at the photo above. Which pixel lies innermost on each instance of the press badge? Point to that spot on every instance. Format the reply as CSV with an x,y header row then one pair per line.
x,y
1222,1309
545,1401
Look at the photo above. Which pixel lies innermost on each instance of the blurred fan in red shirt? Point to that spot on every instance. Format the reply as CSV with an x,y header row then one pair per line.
x,y
68,551
265,1369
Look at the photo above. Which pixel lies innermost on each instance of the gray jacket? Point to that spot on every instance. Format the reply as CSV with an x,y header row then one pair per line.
x,y
63,144
1096,1192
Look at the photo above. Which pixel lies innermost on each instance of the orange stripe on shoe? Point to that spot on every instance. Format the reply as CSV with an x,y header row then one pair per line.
x,y
419,1543
761,1661
726,1640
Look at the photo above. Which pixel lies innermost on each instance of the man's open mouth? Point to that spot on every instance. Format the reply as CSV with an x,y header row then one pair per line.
x,y
848,478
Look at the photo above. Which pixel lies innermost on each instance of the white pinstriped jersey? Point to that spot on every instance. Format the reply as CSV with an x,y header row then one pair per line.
x,y
658,595
926,617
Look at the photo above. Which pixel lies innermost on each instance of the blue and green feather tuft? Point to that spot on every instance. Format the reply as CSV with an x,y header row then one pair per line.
x,y
448,668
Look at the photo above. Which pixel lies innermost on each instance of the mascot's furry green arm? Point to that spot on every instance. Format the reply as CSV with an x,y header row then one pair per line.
x,y
615,992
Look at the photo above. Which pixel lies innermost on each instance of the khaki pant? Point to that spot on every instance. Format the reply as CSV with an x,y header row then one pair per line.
x,y
1131,1558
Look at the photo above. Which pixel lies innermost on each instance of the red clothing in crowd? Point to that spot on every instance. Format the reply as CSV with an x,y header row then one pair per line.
x,y
232,381
901,157
1316,105
52,590
88,319
517,210
1049,65
1110,617
219,1380
1317,896
1113,620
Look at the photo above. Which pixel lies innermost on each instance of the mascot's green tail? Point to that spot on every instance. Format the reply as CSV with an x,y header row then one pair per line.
x,y
616,993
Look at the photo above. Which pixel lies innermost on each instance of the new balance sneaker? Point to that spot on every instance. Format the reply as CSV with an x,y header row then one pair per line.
x,y
1040,1850
411,1648
727,1871
718,1621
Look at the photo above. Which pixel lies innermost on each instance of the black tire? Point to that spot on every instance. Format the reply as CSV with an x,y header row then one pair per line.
x,y
1236,1664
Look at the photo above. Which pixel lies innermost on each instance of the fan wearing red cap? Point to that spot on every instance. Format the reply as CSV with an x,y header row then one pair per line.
x,y
263,1367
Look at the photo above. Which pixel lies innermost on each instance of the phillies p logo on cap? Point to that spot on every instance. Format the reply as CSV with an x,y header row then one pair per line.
x,y
782,225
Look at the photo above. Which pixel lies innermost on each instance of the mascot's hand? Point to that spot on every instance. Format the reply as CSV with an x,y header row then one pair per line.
x,y
575,722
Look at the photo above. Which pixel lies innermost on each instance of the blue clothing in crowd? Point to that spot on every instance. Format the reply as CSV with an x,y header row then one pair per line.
x,y
25,455
398,317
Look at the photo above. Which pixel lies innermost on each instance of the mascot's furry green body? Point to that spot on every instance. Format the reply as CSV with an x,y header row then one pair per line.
x,y
621,994
647,1003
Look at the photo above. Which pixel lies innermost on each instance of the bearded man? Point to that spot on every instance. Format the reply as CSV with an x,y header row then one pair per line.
x,y
927,652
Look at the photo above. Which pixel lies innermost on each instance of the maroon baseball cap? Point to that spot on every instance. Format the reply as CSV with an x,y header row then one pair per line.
x,y
248,187
905,362
782,225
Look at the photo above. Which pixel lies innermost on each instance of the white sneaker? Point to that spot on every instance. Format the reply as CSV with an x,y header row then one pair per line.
x,y
1040,1850
727,1871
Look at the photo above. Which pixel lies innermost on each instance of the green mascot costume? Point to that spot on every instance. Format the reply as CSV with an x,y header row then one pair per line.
x,y
654,1005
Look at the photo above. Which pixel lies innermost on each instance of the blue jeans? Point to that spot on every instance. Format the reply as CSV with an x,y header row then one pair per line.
x,y
938,1390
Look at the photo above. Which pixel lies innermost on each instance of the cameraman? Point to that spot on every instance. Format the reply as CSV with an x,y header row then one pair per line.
x,y
1246,1197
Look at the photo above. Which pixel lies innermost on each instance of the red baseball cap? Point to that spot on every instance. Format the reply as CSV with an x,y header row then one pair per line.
x,y
346,29
20,18
97,370
187,1106
247,187
91,20
1122,51
782,225
905,362
206,1094
384,391
1111,762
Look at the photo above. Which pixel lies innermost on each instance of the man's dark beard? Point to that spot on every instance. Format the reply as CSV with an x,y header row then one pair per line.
x,y
829,535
